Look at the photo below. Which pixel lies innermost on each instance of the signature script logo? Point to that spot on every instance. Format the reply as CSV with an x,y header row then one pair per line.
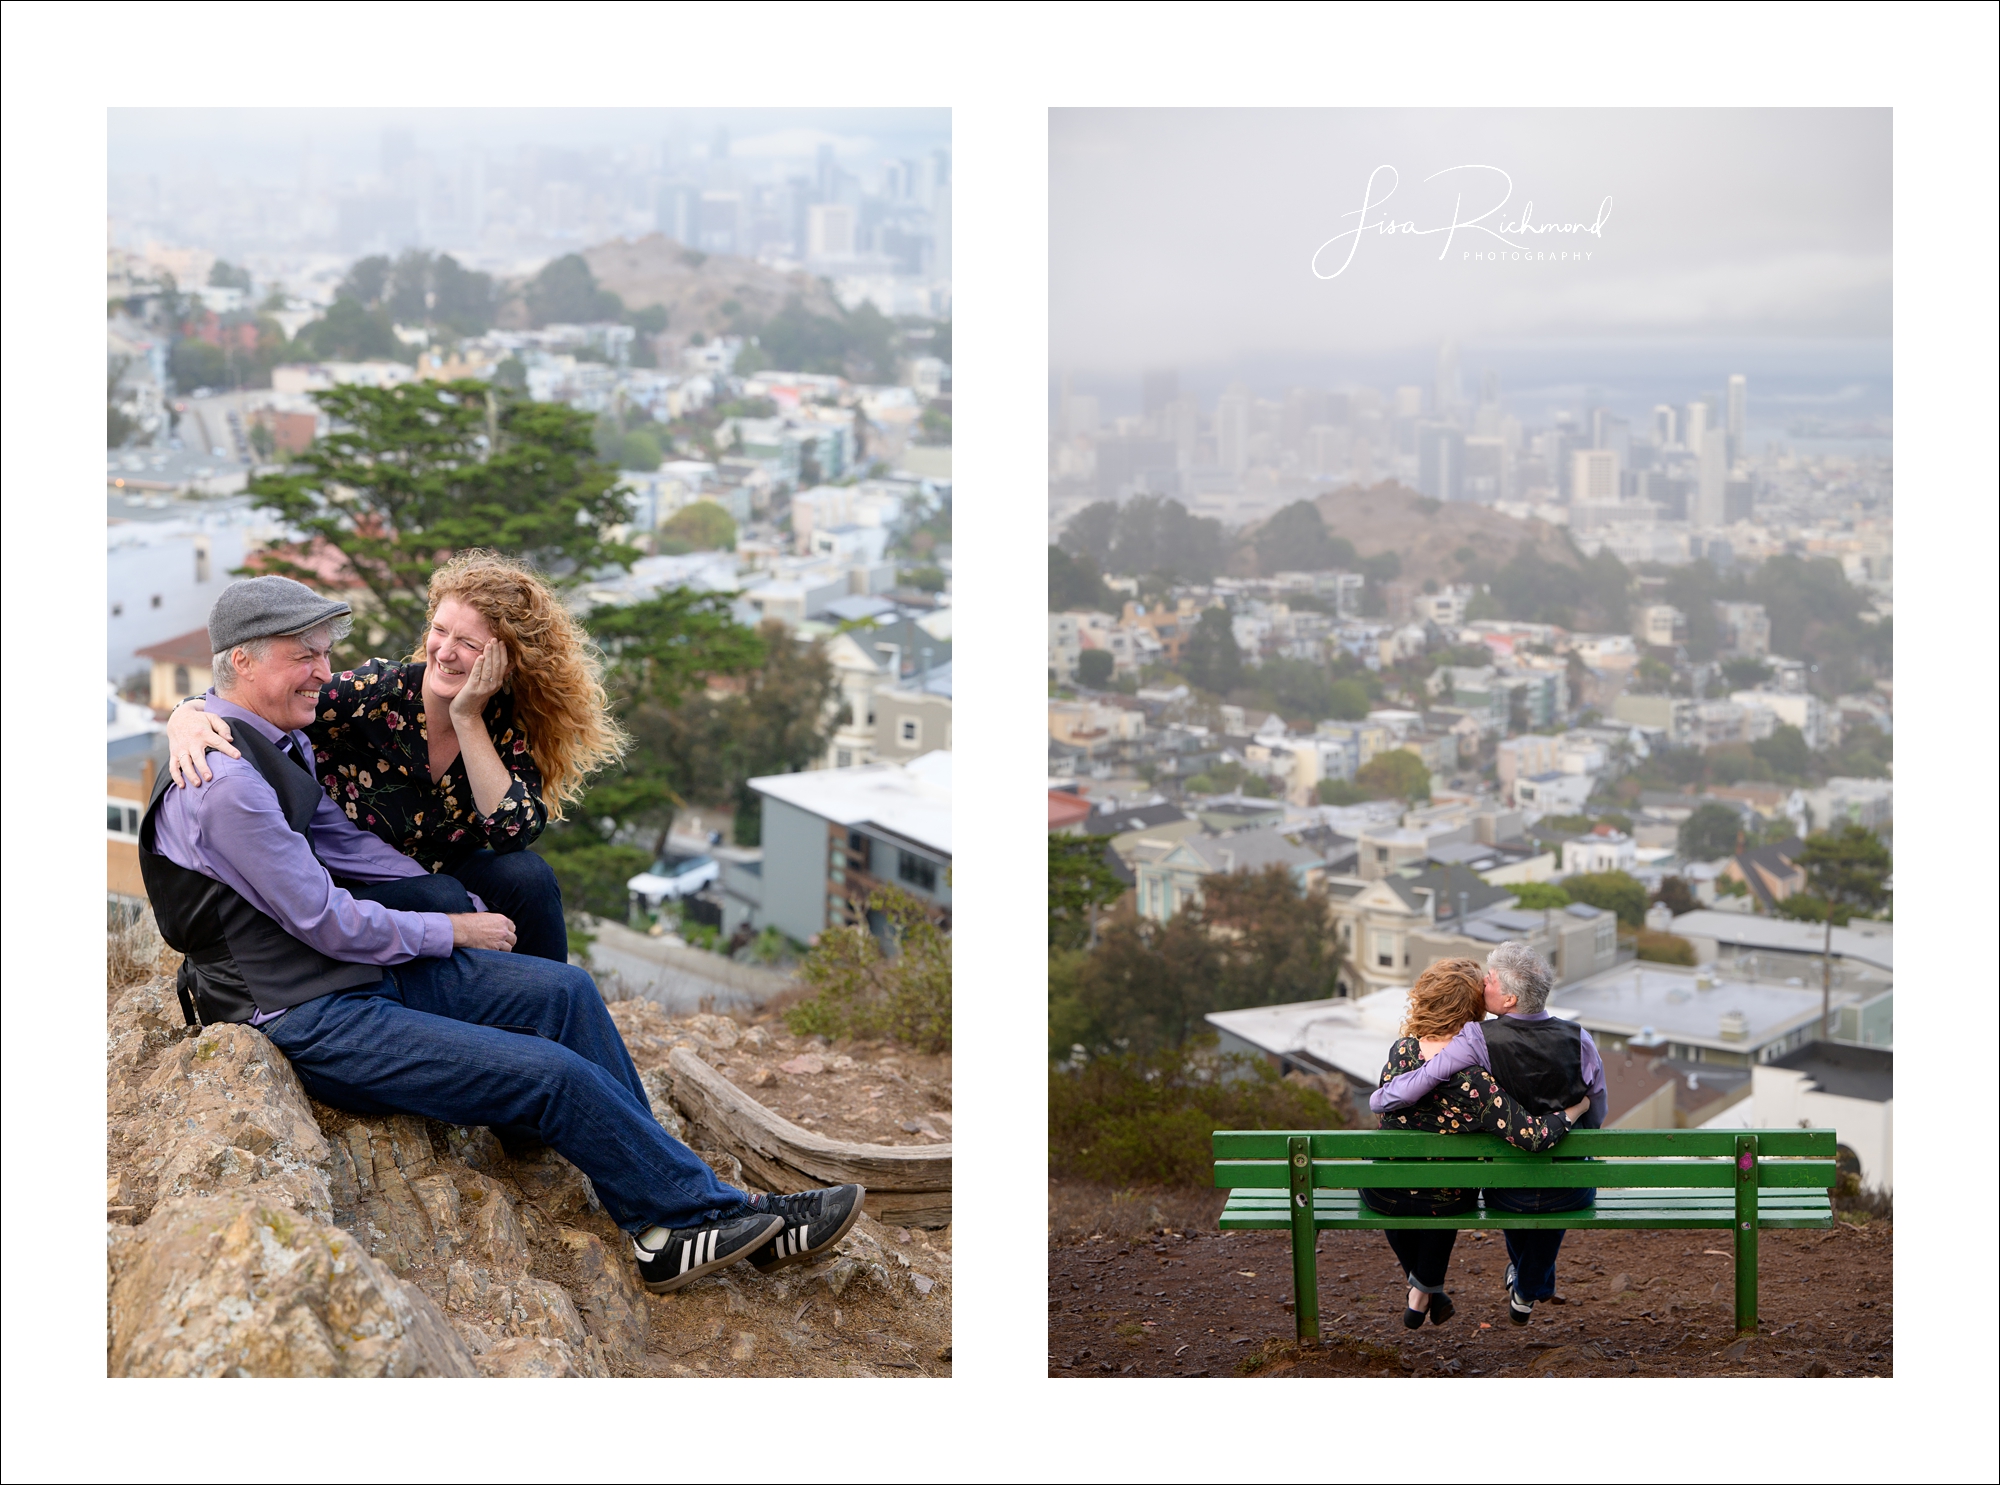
x,y
1481,183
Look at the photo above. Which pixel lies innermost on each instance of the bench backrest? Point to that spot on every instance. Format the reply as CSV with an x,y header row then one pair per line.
x,y
1354,1158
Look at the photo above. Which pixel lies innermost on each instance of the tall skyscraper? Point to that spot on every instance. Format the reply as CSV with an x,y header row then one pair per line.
x,y
1232,430
1450,392
1694,427
1739,396
1713,483
1664,430
1593,477
1441,461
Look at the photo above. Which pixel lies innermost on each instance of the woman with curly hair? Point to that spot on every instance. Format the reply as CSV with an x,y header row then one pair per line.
x,y
1446,996
461,754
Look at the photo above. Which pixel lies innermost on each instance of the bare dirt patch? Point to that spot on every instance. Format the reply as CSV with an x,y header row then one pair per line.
x,y
866,1092
1192,1301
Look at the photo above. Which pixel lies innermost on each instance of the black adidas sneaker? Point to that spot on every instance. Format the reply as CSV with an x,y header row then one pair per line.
x,y
671,1257
813,1222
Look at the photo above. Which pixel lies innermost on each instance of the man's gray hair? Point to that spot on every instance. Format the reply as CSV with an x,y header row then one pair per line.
x,y
1523,973
224,670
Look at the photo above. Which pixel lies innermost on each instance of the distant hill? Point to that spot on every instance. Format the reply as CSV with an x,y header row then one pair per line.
x,y
1426,534
693,287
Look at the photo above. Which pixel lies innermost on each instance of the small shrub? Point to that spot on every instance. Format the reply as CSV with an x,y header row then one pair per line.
x,y
1664,948
1138,1120
860,991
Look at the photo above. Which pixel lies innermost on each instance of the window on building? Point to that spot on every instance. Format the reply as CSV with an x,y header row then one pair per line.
x,y
909,731
857,849
156,600
121,818
843,758
1382,854
201,564
182,681
915,870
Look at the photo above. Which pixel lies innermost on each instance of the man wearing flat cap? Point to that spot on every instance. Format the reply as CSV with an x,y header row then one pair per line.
x,y
384,1010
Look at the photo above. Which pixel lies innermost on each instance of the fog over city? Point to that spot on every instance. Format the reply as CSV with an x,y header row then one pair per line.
x,y
506,188
1189,238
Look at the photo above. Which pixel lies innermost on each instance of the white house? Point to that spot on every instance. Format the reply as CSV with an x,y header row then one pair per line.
x,y
1602,850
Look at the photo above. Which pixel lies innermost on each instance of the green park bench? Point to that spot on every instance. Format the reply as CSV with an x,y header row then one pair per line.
x,y
1742,1180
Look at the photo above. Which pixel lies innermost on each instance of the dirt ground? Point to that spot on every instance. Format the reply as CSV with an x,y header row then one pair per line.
x,y
1131,1296
867,1092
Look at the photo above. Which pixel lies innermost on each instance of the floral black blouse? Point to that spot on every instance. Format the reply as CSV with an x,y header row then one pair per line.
x,y
374,760
1467,1103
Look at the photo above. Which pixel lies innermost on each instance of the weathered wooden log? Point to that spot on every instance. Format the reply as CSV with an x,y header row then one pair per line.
x,y
907,1184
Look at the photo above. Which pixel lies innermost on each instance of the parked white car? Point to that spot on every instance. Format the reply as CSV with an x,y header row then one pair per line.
x,y
672,878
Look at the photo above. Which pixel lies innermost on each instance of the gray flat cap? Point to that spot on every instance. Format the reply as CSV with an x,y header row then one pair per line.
x,y
263,607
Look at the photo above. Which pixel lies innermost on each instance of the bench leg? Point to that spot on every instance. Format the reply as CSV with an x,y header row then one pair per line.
x,y
1305,1267
1746,1232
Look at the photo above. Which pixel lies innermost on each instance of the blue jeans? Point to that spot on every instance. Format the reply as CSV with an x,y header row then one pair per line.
x,y
1533,1250
506,1039
521,885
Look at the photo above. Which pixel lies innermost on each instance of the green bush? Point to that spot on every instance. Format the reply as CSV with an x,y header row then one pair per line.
x,y
1538,896
1614,891
1093,667
1665,948
860,991
1339,791
1135,1119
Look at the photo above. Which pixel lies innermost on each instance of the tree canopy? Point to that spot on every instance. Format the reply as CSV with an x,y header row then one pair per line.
x,y
1296,540
407,475
1080,882
1614,891
1147,534
1710,833
1395,774
1074,584
1210,658
1254,938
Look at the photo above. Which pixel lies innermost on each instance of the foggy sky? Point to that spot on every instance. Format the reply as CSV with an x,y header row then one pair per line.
x,y
266,145
1186,235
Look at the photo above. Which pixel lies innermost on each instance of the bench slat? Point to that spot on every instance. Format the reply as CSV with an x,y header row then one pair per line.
x,y
1656,1209
1369,1144
1539,1172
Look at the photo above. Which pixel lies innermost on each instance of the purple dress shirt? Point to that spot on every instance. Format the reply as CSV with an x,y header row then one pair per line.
x,y
233,829
1468,1049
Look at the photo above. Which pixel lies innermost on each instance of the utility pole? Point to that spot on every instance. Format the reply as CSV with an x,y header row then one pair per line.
x,y
1826,978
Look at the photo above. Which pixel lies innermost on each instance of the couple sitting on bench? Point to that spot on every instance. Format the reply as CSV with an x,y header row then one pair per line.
x,y
332,875
1526,1076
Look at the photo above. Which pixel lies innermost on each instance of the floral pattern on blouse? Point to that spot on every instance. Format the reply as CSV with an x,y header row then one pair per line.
x,y
373,748
1470,1102
1467,1103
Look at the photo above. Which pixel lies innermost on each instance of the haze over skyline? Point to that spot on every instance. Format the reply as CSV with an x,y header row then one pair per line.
x,y
1187,237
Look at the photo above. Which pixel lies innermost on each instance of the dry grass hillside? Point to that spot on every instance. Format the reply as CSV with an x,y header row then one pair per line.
x,y
1429,535
693,287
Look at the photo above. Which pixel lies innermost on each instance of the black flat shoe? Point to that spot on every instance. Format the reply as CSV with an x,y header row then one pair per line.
x,y
1442,1309
1414,1319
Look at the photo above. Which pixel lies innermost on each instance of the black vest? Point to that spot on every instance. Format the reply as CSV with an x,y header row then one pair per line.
x,y
239,961
1539,1062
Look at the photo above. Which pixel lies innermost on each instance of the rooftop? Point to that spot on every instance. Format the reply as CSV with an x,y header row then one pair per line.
x,y
183,649
911,799
1250,850
1844,1071
1870,943
1683,1005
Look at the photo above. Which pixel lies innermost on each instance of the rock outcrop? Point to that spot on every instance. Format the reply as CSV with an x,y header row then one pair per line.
x,y
254,1232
